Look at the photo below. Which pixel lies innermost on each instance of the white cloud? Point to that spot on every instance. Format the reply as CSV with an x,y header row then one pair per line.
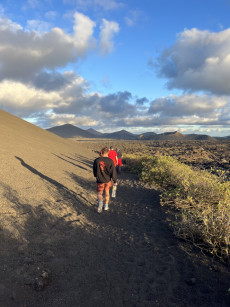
x,y
154,121
70,103
23,54
108,29
188,105
24,100
83,33
198,61
67,103
180,110
72,119
8,25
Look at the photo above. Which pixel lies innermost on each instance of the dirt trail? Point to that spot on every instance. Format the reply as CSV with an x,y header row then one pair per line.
x,y
127,256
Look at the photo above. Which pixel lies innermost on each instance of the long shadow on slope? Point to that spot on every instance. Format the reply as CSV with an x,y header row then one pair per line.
x,y
84,160
81,159
88,185
75,199
70,162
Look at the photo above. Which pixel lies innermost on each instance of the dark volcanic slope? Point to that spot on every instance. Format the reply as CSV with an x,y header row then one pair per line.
x,y
70,131
95,132
121,135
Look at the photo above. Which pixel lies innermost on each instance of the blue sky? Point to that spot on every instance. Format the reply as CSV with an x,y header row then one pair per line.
x,y
150,65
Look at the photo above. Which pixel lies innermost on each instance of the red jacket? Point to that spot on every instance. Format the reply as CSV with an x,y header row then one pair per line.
x,y
113,155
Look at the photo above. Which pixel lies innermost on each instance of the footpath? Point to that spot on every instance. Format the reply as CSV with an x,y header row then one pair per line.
x,y
127,256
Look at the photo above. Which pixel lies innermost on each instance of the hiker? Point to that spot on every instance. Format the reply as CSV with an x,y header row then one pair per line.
x,y
104,170
113,155
119,161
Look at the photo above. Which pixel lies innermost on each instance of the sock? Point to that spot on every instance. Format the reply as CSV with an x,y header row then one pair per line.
x,y
100,203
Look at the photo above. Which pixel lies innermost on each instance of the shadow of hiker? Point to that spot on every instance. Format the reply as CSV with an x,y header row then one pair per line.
x,y
70,162
75,199
85,161
88,185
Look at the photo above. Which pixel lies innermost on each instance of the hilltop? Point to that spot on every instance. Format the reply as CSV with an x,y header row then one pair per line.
x,y
120,135
94,132
70,131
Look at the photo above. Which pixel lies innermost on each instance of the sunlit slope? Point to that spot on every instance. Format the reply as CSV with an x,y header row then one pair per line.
x,y
38,168
17,133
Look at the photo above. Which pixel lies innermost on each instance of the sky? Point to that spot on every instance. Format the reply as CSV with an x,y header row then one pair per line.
x,y
138,65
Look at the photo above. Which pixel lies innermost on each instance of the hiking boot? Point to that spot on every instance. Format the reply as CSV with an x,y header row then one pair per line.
x,y
106,207
99,209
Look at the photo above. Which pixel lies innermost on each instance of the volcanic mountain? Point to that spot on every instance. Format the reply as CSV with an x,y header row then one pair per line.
x,y
121,135
70,131
95,132
146,135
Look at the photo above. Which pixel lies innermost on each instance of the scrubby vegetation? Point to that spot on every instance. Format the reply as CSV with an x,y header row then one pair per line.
x,y
200,200
206,155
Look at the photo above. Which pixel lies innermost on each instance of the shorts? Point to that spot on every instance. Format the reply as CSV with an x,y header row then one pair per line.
x,y
103,186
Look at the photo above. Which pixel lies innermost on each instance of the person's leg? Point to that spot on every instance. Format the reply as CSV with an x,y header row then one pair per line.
x,y
107,195
100,196
100,188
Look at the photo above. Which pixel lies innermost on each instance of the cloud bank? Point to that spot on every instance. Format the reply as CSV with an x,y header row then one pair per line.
x,y
198,61
36,84
25,54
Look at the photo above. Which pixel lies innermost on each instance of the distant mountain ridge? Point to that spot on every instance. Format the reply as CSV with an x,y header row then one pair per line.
x,y
71,131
